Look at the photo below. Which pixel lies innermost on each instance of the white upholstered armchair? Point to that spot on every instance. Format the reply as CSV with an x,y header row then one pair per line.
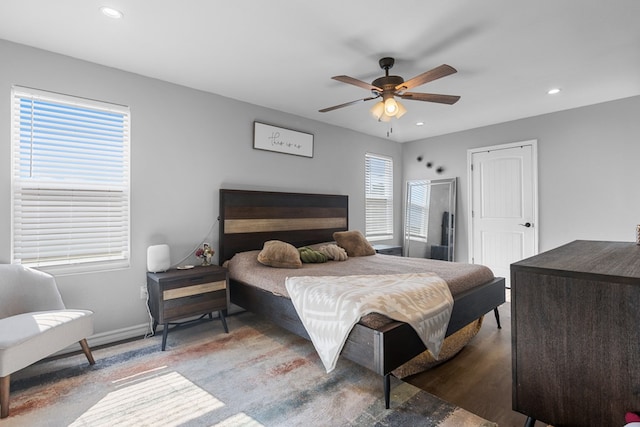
x,y
34,323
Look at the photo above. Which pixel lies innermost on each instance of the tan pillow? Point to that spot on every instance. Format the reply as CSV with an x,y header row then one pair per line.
x,y
354,243
276,253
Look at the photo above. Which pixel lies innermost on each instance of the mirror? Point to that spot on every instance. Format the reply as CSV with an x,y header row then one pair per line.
x,y
429,228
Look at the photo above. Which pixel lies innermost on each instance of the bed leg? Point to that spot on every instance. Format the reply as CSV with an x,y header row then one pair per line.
x,y
497,314
387,390
530,422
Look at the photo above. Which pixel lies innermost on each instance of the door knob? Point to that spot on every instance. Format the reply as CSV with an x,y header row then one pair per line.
x,y
526,224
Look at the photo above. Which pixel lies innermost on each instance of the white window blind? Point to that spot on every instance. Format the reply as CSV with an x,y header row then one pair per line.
x,y
378,197
70,186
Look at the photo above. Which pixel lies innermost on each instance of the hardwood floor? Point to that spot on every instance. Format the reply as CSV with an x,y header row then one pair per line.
x,y
478,378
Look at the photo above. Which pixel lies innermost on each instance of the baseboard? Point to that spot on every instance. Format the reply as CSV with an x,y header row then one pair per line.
x,y
110,337
137,331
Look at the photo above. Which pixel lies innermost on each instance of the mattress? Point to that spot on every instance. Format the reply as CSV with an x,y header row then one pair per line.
x,y
460,277
244,267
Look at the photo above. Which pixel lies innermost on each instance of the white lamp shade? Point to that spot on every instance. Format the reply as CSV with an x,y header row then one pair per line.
x,y
377,110
401,110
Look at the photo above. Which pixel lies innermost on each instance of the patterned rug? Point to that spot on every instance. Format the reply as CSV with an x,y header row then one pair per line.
x,y
257,375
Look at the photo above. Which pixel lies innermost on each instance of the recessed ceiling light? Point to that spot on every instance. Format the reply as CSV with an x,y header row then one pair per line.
x,y
111,12
553,91
420,124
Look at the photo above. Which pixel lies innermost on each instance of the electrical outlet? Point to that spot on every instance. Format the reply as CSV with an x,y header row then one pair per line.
x,y
143,292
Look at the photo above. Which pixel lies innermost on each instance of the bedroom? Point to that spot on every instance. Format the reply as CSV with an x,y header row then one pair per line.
x,y
189,143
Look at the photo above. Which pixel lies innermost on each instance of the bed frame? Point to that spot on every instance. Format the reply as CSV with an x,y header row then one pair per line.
x,y
249,218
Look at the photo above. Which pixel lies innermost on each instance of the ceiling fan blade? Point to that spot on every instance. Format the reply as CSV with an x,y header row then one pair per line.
x,y
428,76
430,97
356,82
346,104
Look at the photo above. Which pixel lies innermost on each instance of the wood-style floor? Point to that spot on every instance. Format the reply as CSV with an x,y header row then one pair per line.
x,y
478,378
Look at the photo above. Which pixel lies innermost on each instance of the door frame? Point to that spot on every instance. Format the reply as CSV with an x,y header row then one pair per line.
x,y
534,159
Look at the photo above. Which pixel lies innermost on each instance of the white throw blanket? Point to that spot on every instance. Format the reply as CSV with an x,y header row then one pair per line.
x,y
329,307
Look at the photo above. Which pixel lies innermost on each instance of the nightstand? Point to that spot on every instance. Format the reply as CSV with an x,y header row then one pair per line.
x,y
388,249
181,294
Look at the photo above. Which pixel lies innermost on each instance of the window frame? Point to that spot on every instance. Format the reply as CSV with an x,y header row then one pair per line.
x,y
379,220
58,180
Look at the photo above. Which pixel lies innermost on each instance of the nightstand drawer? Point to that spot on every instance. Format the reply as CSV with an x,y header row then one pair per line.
x,y
185,306
188,291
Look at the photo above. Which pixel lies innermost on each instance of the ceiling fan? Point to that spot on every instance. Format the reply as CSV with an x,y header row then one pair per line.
x,y
388,87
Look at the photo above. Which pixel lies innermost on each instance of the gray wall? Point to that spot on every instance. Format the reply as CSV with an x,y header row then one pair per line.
x,y
186,144
588,170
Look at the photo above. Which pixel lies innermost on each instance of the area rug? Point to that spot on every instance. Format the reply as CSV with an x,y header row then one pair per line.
x,y
256,375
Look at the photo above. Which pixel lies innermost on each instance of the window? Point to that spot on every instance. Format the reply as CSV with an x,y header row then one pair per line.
x,y
70,182
378,197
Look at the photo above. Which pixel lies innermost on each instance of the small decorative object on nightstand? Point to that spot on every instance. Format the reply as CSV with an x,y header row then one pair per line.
x,y
205,253
180,294
388,249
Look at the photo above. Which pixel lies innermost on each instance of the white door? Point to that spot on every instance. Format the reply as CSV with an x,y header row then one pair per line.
x,y
503,191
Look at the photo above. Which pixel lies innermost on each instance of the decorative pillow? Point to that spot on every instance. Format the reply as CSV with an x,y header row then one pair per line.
x,y
276,253
354,243
308,255
334,252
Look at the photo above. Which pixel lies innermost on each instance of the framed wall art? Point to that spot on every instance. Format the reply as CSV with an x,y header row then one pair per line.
x,y
281,140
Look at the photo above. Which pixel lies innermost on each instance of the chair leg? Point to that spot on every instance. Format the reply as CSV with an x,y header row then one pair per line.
x,y
4,396
87,351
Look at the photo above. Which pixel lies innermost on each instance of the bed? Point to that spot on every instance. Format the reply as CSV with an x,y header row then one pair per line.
x,y
250,218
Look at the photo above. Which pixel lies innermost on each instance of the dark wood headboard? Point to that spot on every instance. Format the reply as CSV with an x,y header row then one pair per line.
x,y
249,218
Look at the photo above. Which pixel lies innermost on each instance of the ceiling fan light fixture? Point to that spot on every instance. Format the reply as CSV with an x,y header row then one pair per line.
x,y
390,107
380,113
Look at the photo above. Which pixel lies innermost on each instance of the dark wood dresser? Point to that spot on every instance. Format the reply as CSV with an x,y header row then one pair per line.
x,y
576,334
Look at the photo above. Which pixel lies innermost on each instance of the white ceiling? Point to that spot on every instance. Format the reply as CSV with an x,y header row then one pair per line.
x,y
282,54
